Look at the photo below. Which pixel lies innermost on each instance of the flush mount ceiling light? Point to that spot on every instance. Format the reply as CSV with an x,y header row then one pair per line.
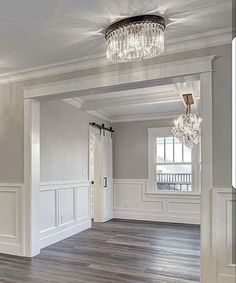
x,y
135,38
187,127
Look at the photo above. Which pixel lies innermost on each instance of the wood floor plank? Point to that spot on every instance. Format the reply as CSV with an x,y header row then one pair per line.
x,y
114,252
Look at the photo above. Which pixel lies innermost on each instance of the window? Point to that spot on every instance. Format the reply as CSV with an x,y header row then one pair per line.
x,y
173,167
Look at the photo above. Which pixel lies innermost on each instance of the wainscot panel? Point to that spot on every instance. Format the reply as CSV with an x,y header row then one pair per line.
x,y
131,201
223,202
65,210
11,219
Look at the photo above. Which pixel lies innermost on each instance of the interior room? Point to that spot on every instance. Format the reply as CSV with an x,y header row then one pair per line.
x,y
116,152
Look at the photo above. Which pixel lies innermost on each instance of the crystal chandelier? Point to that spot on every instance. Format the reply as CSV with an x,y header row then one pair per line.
x,y
187,127
135,38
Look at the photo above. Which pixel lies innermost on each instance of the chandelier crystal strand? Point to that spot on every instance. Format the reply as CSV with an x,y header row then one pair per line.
x,y
187,128
135,40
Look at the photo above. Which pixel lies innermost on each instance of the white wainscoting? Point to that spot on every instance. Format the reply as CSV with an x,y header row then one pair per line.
x,y
223,200
64,210
131,201
11,218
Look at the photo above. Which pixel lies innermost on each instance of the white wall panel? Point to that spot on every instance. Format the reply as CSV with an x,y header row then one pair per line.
x,y
83,203
66,206
223,235
8,217
48,210
11,219
131,201
65,210
184,207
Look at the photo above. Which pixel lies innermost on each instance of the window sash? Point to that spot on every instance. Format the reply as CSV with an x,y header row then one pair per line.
x,y
162,132
183,151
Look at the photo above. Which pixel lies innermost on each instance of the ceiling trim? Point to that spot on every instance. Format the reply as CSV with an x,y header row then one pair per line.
x,y
134,101
54,69
77,104
101,115
193,42
199,41
74,102
142,117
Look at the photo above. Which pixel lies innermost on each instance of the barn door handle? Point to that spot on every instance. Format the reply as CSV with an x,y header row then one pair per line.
x,y
105,183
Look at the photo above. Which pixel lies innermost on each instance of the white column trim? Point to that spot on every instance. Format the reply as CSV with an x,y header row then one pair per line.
x,y
31,176
208,267
234,112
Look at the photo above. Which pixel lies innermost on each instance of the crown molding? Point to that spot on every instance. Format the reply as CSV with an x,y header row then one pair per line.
x,y
54,69
146,117
199,41
173,46
127,101
108,118
104,116
77,103
74,102
101,115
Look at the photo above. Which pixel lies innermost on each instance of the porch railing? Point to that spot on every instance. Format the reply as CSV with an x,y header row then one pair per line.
x,y
174,181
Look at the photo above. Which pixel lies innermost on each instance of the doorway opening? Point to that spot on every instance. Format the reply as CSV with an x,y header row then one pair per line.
x,y
165,74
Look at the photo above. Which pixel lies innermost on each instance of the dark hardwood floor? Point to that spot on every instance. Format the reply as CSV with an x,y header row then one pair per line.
x,y
117,251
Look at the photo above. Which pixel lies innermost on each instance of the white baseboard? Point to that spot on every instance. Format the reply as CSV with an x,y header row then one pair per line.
x,y
143,215
12,249
61,235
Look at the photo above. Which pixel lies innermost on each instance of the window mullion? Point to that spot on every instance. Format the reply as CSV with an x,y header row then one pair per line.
x,y
164,150
173,150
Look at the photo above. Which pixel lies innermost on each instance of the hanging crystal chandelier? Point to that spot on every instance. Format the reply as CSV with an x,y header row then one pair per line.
x,y
187,127
135,38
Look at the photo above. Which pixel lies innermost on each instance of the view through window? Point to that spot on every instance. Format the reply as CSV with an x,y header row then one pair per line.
x,y
173,165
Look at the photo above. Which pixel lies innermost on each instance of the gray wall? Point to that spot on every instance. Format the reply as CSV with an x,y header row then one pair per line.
x,y
130,142
11,135
130,148
64,132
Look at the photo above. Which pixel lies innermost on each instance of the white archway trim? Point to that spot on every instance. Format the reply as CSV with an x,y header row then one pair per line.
x,y
121,80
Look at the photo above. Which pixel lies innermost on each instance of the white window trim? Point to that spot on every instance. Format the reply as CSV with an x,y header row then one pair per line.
x,y
154,133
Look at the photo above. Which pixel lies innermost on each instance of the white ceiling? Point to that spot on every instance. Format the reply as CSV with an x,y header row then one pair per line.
x,y
34,33
142,104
